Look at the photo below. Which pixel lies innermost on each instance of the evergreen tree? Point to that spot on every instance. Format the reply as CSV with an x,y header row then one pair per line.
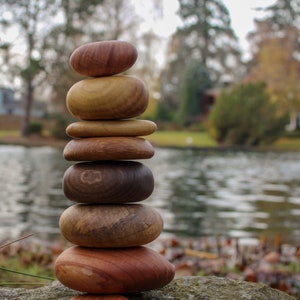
x,y
196,82
206,36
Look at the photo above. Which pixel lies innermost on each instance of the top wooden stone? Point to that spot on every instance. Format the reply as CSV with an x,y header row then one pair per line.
x,y
103,58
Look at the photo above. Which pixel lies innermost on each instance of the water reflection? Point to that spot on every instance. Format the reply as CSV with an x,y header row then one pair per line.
x,y
30,191
238,194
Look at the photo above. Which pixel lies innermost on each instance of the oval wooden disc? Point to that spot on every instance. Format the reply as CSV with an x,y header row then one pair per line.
x,y
111,271
103,58
108,148
108,182
106,98
84,129
110,225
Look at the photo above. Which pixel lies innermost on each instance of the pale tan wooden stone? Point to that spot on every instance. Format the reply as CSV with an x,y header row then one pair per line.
x,y
106,98
83,129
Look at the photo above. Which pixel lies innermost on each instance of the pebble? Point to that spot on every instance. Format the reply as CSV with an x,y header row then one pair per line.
x,y
110,226
103,58
113,271
108,148
131,127
108,182
107,98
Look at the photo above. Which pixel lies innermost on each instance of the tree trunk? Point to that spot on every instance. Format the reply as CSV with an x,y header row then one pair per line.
x,y
27,109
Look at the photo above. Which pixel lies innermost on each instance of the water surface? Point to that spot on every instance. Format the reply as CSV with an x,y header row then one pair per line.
x,y
198,193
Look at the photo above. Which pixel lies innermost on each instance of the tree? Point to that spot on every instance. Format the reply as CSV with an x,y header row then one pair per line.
x,y
245,115
276,54
29,17
196,81
205,36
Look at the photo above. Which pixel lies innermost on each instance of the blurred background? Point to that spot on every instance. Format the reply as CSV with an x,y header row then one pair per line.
x,y
224,84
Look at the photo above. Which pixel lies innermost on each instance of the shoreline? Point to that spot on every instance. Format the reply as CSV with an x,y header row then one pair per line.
x,y
40,141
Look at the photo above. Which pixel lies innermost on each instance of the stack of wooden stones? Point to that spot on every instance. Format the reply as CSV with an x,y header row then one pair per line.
x,y
107,226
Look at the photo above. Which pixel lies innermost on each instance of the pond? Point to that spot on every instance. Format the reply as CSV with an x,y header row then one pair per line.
x,y
197,192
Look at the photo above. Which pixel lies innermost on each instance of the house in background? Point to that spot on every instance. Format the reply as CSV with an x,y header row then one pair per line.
x,y
10,106
6,101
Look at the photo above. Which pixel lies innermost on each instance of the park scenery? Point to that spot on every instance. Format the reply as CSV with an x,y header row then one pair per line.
x,y
101,108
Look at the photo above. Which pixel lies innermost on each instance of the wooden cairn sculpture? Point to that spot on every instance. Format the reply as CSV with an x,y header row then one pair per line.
x,y
107,226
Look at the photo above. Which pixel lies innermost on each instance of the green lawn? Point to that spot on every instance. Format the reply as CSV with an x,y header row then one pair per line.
x,y
203,139
181,139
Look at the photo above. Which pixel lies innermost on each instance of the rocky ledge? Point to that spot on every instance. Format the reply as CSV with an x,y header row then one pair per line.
x,y
193,287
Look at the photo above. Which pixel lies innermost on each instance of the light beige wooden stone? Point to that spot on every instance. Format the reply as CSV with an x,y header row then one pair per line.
x,y
130,127
112,271
110,225
106,98
108,148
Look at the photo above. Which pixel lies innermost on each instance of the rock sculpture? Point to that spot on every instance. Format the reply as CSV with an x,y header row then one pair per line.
x,y
107,226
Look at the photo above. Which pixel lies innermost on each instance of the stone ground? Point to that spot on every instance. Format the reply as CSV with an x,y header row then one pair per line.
x,y
189,287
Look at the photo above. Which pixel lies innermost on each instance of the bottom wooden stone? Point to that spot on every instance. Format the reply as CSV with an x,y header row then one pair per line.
x,y
112,271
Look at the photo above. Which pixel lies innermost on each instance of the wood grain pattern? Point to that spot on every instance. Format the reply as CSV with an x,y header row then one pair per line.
x,y
110,226
103,58
131,127
108,148
111,271
106,98
108,182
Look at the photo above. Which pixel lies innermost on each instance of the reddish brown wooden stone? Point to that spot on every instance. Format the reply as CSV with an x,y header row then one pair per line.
x,y
108,182
90,128
107,98
103,58
99,297
108,148
111,271
110,226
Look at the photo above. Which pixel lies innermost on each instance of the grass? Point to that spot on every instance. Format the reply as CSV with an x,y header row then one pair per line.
x,y
166,138
286,143
181,139
25,266
9,133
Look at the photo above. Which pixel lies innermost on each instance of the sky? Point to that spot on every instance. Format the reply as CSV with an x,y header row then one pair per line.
x,y
241,11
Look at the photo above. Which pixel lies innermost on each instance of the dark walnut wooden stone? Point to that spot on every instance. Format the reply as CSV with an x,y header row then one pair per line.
x,y
112,271
131,127
107,98
103,58
108,148
110,225
108,182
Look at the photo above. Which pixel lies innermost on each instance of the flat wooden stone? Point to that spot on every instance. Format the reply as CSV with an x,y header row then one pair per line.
x,y
108,148
110,225
113,271
108,182
103,58
131,127
106,98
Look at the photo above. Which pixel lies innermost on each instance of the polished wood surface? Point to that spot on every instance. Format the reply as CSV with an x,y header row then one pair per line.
x,y
108,182
108,148
103,58
130,127
110,226
105,98
110,271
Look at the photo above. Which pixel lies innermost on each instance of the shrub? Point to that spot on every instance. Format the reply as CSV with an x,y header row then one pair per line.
x,y
36,128
245,115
